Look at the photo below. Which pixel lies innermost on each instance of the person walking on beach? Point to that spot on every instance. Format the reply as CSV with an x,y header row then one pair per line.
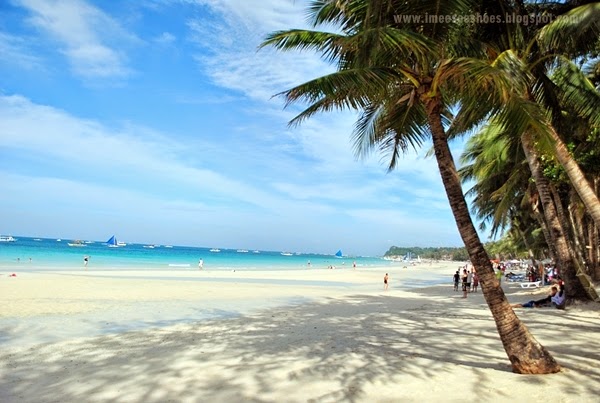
x,y
464,282
385,282
456,279
85,261
200,264
475,281
469,280
499,276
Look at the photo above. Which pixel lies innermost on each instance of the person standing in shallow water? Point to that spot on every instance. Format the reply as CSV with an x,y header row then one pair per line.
x,y
85,261
200,264
385,281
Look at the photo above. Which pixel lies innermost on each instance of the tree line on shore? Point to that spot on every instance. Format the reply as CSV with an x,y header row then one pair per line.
x,y
441,253
527,95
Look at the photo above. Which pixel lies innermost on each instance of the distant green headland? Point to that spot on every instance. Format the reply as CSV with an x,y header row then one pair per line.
x,y
440,253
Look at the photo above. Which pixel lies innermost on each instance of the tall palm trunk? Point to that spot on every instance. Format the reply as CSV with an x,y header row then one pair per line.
x,y
526,355
570,230
593,239
593,249
578,239
546,231
577,178
575,280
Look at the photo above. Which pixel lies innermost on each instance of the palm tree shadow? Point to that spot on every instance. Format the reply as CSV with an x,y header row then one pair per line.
x,y
342,345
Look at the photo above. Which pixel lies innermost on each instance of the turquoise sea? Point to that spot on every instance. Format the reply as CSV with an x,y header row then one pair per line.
x,y
44,253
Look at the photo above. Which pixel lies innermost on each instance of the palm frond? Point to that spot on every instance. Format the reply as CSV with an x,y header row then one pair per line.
x,y
574,33
347,14
577,92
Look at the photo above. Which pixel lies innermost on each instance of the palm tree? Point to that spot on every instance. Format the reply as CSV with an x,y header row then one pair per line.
x,y
543,83
501,181
403,79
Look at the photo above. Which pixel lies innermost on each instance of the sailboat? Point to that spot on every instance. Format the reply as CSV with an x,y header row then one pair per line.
x,y
112,242
338,253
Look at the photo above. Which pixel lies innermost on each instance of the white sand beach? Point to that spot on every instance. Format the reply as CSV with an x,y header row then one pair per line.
x,y
277,336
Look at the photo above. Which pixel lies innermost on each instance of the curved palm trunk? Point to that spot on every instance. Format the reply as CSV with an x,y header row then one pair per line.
x,y
575,280
577,178
526,355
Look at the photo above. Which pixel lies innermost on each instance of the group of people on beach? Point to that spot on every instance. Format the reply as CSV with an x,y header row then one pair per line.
x,y
470,280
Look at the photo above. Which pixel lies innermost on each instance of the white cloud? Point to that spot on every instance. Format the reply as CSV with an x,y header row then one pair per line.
x,y
83,33
166,38
15,51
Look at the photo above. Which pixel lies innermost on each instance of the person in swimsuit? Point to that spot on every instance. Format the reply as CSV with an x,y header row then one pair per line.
x,y
385,281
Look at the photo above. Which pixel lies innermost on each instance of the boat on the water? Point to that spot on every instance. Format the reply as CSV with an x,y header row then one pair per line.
x,y
215,250
338,253
242,251
113,243
149,246
7,238
77,243
287,254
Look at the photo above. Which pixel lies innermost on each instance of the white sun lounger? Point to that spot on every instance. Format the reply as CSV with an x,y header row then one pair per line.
x,y
531,284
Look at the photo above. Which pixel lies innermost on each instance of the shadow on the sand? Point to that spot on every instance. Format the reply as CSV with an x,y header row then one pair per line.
x,y
329,351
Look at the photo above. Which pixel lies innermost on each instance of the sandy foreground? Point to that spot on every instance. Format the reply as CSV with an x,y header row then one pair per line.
x,y
296,336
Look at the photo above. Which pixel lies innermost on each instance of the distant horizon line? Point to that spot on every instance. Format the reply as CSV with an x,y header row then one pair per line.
x,y
17,237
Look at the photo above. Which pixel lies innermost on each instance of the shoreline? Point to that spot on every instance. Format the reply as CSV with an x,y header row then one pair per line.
x,y
282,342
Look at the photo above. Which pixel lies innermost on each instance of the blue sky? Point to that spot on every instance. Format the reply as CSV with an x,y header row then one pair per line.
x,y
155,121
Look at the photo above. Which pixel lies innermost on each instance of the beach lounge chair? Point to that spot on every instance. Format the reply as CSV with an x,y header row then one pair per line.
x,y
531,284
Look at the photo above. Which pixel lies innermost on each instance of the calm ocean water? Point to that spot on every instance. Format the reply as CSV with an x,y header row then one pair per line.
x,y
42,253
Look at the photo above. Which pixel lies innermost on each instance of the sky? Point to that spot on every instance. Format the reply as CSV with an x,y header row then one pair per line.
x,y
156,121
